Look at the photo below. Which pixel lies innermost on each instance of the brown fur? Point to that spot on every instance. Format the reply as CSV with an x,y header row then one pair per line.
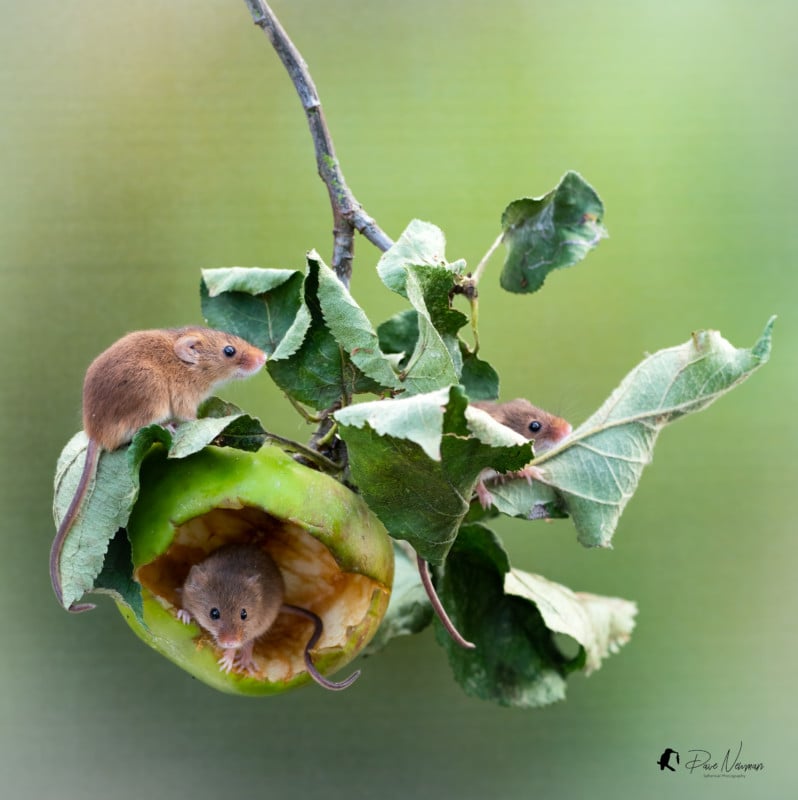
x,y
519,414
156,376
144,378
232,579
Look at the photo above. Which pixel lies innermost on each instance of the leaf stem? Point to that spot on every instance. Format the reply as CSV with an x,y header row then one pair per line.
x,y
348,215
317,458
484,262
301,410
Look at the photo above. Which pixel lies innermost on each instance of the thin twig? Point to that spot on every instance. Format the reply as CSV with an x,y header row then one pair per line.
x,y
321,461
482,264
348,216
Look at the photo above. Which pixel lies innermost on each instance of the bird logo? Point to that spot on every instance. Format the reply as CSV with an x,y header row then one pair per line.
x,y
664,760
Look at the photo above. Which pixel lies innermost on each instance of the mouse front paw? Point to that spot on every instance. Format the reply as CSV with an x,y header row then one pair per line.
x,y
183,616
530,474
483,495
228,661
244,660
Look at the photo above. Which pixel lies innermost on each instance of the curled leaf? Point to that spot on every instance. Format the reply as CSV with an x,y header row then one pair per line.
x,y
416,461
106,508
600,624
260,305
350,326
420,243
545,233
597,469
512,617
310,364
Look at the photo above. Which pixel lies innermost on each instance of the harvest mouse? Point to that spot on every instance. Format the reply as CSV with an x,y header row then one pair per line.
x,y
545,429
531,422
148,377
235,594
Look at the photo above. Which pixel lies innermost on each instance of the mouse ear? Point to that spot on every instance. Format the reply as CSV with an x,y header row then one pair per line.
x,y
184,348
197,576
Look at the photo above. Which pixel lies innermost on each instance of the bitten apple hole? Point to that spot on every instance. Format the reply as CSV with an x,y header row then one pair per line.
x,y
313,580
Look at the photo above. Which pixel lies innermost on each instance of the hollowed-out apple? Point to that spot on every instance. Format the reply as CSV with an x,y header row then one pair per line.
x,y
335,557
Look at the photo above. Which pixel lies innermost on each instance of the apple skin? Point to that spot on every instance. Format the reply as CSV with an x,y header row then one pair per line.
x,y
174,493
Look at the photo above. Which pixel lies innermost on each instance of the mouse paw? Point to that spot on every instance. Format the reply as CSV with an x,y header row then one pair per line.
x,y
183,616
228,660
484,495
244,660
530,473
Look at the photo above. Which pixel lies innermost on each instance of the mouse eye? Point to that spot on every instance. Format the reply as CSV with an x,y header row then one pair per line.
x,y
215,613
243,613
229,350
535,426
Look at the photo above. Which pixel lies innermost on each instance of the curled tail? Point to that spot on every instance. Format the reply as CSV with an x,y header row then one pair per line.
x,y
318,628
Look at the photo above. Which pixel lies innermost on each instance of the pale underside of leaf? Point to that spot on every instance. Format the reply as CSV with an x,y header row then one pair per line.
x,y
597,469
420,243
599,624
416,462
105,510
432,364
110,498
351,327
250,280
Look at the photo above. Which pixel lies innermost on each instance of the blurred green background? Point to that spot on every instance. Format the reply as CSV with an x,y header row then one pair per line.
x,y
143,141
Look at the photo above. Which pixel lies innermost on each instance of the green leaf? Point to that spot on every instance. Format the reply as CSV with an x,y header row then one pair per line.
x,y
237,430
420,243
435,361
518,498
260,305
116,577
516,661
295,335
399,334
545,233
310,365
409,610
416,461
350,326
597,469
250,280
512,617
480,380
106,507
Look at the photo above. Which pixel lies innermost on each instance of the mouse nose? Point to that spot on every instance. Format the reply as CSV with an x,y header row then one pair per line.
x,y
228,640
252,362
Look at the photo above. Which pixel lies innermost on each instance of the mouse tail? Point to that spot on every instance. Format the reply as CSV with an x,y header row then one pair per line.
x,y
318,629
426,580
68,520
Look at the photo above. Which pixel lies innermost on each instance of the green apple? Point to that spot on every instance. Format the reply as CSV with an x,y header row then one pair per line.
x,y
335,556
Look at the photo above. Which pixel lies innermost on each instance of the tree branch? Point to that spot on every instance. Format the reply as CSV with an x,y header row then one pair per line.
x,y
348,216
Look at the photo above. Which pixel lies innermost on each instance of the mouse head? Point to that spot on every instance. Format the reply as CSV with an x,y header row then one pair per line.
x,y
221,356
233,600
544,429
